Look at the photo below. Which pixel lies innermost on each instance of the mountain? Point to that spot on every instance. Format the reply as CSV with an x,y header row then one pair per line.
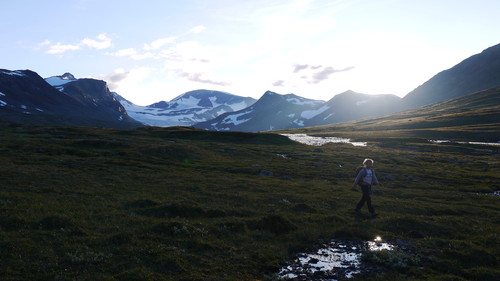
x,y
95,95
272,111
476,73
473,117
350,105
187,109
25,97
58,81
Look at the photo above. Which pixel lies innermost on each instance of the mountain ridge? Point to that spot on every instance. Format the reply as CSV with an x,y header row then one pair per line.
x,y
28,98
477,72
74,100
274,112
472,117
186,109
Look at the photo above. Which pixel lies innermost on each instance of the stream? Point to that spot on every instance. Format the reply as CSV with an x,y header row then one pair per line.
x,y
319,141
466,142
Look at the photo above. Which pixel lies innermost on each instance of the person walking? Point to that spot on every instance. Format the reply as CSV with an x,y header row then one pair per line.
x,y
365,178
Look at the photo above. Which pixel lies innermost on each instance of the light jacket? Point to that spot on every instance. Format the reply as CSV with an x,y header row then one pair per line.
x,y
362,174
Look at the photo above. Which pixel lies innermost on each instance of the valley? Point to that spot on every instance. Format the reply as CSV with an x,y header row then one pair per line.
x,y
185,204
201,141
89,193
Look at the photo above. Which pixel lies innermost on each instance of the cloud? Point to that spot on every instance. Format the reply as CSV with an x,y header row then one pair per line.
x,y
132,53
279,83
197,29
125,53
40,45
197,77
119,79
159,43
59,48
314,76
44,43
113,79
102,42
299,67
325,73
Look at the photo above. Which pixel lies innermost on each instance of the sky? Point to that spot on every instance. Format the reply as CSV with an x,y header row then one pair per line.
x,y
153,50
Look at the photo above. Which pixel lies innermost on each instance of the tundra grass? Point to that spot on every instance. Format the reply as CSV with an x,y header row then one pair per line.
x,y
185,204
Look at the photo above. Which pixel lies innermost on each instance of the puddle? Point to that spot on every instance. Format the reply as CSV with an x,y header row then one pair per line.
x,y
495,193
318,141
337,259
466,142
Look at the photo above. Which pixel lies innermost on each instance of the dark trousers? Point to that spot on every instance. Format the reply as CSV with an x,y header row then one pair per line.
x,y
367,197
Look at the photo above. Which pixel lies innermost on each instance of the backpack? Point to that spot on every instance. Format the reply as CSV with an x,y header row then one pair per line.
x,y
360,180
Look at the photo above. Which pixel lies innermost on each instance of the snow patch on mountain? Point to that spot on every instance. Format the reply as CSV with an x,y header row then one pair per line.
x,y
186,109
15,72
234,119
329,115
302,101
358,103
308,114
60,80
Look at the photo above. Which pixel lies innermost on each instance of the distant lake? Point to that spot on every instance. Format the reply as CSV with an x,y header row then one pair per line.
x,y
319,141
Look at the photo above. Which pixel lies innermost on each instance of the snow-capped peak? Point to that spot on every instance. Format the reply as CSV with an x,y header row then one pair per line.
x,y
15,72
61,79
187,109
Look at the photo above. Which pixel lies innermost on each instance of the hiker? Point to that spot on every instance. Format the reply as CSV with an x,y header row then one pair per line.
x,y
365,178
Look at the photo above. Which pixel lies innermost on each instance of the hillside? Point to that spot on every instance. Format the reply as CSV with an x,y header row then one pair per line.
x,y
474,117
350,105
186,204
476,73
27,98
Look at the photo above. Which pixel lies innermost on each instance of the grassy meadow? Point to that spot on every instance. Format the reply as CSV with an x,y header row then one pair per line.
x,y
185,204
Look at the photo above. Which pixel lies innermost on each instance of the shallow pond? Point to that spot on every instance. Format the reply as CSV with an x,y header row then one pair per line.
x,y
337,259
318,141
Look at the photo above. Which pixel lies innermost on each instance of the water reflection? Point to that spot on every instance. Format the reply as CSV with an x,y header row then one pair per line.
x,y
318,141
466,142
338,259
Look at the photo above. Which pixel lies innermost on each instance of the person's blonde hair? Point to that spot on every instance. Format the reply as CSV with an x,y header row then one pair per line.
x,y
368,159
